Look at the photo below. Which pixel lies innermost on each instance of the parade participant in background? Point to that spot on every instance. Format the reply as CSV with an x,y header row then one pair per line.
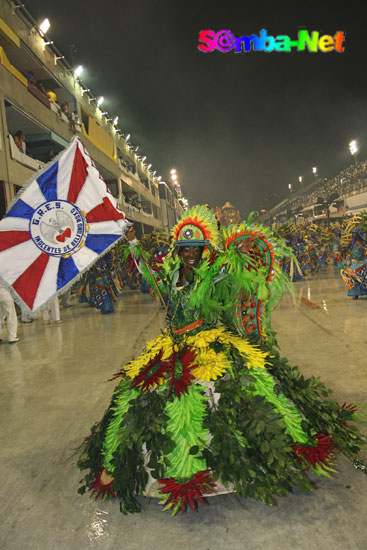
x,y
97,289
7,310
51,313
156,246
209,405
294,265
355,275
65,298
312,250
26,317
336,252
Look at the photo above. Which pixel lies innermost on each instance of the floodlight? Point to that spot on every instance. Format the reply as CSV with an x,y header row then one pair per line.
x,y
353,147
44,26
78,71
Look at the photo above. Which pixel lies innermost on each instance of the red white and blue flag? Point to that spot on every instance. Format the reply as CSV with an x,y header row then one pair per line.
x,y
58,226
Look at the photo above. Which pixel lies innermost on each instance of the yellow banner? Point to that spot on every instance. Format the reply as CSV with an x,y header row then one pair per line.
x,y
7,35
100,139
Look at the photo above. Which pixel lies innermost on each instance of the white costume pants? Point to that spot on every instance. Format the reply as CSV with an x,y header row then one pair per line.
x,y
65,298
52,311
7,309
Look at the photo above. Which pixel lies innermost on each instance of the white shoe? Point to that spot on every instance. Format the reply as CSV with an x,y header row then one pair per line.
x,y
13,340
57,322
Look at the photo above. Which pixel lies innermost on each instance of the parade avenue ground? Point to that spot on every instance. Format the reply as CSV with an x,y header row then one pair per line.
x,y
54,388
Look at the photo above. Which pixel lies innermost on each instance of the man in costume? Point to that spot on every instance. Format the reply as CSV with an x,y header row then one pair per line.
x,y
209,406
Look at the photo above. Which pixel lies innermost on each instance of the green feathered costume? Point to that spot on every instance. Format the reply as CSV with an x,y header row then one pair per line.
x,y
209,406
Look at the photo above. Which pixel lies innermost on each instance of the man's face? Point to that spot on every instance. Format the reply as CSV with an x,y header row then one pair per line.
x,y
191,255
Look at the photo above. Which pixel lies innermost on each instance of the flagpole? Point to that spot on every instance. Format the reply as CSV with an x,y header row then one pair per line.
x,y
130,230
154,282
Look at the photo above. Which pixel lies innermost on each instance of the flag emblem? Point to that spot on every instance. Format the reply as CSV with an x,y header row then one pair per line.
x,y
58,228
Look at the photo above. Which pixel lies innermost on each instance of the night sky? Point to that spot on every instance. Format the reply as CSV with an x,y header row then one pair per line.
x,y
237,127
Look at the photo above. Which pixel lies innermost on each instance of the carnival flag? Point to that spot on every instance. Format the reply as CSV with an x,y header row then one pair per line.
x,y
56,228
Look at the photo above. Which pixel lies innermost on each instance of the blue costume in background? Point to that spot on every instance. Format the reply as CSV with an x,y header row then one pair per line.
x,y
355,275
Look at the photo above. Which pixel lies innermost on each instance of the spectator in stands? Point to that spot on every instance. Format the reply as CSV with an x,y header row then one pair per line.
x,y
74,122
349,180
52,96
19,140
50,155
30,77
41,87
65,109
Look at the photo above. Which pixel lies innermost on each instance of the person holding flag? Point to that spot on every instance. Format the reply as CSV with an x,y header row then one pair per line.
x,y
56,228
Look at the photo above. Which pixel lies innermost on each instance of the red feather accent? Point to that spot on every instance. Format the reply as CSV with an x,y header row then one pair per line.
x,y
319,454
148,380
98,488
156,369
188,493
351,407
182,383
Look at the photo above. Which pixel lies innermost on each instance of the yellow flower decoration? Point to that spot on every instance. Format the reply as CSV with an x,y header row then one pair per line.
x,y
206,337
211,365
254,356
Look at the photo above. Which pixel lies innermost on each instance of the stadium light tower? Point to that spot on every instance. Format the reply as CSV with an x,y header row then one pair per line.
x,y
300,179
314,171
290,187
353,148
